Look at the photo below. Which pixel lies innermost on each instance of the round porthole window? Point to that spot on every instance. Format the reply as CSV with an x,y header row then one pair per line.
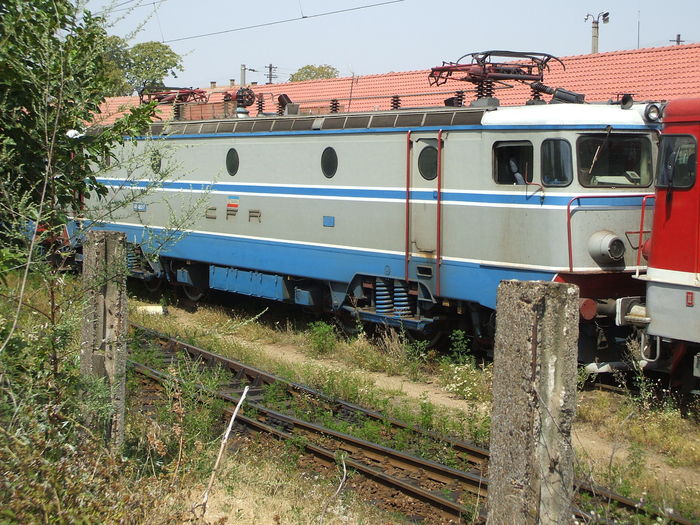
x,y
156,161
232,161
427,162
329,162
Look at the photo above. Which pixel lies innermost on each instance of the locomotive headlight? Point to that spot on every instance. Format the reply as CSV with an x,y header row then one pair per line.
x,y
605,246
652,112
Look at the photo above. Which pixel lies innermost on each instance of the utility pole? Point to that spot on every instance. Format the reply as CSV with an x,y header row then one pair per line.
x,y
595,27
270,73
677,40
639,23
243,70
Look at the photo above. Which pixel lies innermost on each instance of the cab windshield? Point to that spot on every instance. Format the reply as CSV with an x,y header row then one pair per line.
x,y
607,160
677,161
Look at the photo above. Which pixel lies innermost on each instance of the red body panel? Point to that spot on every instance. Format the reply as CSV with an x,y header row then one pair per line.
x,y
676,229
603,285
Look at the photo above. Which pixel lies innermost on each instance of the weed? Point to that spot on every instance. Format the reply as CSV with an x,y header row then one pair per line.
x,y
459,347
294,447
427,411
274,394
467,380
322,338
54,467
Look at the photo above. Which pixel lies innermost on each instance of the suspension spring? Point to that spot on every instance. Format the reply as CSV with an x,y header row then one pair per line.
x,y
402,306
132,257
383,303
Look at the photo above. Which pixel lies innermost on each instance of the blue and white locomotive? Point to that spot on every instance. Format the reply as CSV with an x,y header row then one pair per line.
x,y
406,217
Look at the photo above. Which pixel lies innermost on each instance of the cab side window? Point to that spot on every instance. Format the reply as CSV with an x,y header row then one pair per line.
x,y
677,161
512,162
556,163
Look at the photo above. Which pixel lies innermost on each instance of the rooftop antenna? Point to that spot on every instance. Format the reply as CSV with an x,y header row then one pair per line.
x,y
605,16
243,71
677,40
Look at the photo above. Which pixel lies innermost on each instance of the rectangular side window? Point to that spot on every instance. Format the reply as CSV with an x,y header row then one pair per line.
x,y
512,162
677,161
557,165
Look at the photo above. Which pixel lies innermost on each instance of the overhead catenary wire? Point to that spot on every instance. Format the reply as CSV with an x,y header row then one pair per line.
x,y
284,21
118,7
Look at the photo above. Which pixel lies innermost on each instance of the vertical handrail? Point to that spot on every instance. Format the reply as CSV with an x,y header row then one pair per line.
x,y
641,231
579,197
408,204
438,248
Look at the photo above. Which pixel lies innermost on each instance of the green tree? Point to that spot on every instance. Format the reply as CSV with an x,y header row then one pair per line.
x,y
312,72
149,63
116,62
52,82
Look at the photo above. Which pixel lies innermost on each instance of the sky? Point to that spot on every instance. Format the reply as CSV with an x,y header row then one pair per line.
x,y
402,35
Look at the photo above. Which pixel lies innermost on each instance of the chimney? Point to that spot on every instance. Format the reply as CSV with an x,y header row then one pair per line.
x,y
212,84
232,82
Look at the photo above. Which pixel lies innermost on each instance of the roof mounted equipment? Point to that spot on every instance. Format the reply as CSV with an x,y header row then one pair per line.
x,y
174,96
485,72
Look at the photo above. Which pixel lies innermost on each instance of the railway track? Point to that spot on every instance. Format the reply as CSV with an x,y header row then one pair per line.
x,y
438,474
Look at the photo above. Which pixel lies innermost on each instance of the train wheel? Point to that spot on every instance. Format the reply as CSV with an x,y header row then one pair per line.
x,y
351,326
193,293
153,285
429,339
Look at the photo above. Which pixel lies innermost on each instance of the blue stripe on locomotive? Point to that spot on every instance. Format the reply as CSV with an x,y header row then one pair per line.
x,y
459,280
533,198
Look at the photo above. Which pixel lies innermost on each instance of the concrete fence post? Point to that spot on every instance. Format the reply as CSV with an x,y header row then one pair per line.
x,y
104,331
534,399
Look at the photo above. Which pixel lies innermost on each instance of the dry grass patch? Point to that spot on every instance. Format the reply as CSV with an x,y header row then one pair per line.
x,y
629,472
662,430
266,482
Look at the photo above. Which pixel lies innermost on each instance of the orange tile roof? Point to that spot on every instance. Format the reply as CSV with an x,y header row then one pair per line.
x,y
114,107
657,73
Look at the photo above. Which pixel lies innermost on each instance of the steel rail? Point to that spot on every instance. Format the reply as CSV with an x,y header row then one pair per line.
x,y
439,473
473,483
405,462
258,378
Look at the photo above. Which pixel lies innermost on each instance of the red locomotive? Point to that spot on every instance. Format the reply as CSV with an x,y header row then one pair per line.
x,y
673,276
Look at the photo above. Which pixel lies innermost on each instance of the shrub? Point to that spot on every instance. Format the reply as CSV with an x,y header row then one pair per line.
x,y
322,338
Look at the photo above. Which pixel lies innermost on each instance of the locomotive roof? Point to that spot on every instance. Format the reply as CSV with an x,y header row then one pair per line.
x,y
567,114
683,110
533,115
